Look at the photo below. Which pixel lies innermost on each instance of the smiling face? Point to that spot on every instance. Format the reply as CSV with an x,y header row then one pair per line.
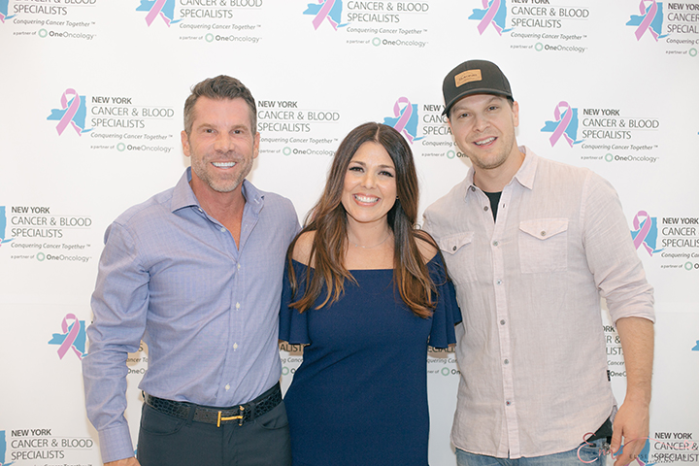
x,y
369,190
484,129
222,145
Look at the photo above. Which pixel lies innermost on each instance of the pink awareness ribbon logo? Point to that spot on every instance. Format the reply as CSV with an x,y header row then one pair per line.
x,y
71,337
70,111
155,11
404,117
562,123
323,14
645,226
489,15
647,20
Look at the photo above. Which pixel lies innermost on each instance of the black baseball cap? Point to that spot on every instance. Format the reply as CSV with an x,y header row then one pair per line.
x,y
474,77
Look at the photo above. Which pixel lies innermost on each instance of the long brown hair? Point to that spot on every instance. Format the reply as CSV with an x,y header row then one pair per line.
x,y
328,219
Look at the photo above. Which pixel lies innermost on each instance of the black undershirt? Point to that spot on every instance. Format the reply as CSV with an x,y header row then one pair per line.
x,y
494,200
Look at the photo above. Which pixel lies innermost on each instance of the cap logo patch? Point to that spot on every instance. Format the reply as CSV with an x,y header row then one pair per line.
x,y
467,77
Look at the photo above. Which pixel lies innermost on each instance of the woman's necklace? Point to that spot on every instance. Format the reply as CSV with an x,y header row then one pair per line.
x,y
371,247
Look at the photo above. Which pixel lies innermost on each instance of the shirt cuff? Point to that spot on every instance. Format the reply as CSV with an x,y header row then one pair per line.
x,y
115,444
641,309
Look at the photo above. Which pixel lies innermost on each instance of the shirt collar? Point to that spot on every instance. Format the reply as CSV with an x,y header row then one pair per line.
x,y
183,196
527,172
524,176
254,198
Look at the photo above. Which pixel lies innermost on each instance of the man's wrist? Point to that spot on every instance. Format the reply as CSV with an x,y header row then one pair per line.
x,y
115,444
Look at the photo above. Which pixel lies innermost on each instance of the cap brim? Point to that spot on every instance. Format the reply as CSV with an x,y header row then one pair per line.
x,y
471,92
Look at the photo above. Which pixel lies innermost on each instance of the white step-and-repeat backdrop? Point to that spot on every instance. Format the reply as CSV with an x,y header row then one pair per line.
x,y
92,109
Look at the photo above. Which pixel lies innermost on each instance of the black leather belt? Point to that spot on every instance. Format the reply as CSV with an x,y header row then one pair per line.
x,y
241,413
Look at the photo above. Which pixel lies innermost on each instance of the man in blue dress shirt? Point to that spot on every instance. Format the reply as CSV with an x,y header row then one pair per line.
x,y
196,272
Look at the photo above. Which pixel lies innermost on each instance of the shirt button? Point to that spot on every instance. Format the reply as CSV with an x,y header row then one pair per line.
x,y
454,248
238,266
495,243
235,346
237,305
499,282
502,322
227,387
485,208
507,361
543,233
508,403
473,188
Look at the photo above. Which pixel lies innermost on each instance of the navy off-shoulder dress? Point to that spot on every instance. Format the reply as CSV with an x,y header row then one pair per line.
x,y
360,396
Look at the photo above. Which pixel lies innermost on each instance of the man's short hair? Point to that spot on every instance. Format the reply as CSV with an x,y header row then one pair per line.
x,y
219,88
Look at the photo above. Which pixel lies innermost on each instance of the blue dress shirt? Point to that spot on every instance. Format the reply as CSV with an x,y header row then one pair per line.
x,y
172,275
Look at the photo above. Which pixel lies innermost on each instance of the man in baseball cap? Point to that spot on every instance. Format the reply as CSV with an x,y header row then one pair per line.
x,y
531,245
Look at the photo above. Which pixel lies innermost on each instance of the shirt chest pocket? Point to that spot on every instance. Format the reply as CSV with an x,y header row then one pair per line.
x,y
459,255
543,245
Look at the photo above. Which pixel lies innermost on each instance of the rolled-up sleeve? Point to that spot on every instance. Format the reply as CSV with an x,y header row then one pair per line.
x,y
611,255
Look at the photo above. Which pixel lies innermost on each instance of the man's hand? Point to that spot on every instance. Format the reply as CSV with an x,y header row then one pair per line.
x,y
125,462
631,422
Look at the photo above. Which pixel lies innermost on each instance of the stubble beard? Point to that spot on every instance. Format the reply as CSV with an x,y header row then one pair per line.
x,y
499,159
221,185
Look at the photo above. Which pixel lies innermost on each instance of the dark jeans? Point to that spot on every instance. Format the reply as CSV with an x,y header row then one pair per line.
x,y
170,441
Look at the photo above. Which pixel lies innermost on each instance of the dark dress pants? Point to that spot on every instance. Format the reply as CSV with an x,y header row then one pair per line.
x,y
165,440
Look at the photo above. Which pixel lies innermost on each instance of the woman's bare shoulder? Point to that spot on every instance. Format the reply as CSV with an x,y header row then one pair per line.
x,y
426,245
303,247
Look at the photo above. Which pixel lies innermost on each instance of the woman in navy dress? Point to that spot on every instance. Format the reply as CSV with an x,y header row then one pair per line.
x,y
365,292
